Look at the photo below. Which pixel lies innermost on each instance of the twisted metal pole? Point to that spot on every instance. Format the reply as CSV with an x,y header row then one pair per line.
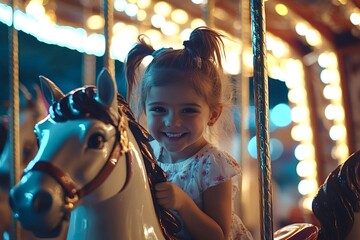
x,y
262,116
208,12
89,60
14,114
108,13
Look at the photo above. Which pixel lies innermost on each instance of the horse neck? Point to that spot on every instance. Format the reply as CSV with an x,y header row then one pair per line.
x,y
129,214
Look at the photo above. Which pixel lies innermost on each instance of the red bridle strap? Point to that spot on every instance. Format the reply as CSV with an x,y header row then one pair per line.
x,y
103,174
67,183
58,174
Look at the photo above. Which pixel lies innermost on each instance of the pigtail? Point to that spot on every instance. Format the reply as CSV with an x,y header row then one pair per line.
x,y
133,61
206,44
207,47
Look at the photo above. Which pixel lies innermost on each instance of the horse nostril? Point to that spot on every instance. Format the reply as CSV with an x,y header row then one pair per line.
x,y
41,202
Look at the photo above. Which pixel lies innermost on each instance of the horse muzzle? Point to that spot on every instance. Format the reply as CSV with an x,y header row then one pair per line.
x,y
37,203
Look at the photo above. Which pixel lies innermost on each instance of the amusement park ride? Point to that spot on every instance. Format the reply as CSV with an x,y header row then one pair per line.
x,y
113,179
51,191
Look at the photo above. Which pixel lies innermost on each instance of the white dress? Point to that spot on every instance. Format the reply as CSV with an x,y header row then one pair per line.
x,y
207,168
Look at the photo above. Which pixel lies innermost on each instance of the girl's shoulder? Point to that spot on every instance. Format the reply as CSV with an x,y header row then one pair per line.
x,y
214,154
215,166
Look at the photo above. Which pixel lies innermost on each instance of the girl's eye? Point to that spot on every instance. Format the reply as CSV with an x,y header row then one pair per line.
x,y
96,141
190,110
158,109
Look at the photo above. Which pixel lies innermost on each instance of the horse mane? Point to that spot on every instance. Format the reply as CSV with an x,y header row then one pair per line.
x,y
168,222
81,103
337,200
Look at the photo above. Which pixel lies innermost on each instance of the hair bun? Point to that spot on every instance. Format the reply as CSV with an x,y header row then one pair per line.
x,y
187,43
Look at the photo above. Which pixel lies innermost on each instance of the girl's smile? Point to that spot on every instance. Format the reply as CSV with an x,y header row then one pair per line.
x,y
174,135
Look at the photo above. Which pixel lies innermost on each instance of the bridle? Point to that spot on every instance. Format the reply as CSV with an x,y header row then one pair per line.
x,y
72,194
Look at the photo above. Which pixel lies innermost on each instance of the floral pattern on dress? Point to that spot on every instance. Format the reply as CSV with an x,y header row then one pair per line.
x,y
207,168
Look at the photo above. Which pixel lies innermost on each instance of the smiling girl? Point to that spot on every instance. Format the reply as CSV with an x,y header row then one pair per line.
x,y
182,96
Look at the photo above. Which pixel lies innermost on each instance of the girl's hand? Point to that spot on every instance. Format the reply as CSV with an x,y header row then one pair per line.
x,y
214,222
170,195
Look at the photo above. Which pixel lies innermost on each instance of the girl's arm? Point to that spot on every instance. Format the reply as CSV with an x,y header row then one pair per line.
x,y
212,223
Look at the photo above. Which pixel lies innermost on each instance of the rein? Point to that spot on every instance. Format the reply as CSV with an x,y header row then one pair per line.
x,y
72,194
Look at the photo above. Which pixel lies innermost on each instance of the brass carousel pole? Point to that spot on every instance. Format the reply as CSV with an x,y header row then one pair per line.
x,y
245,74
89,60
208,13
108,13
243,101
14,114
262,116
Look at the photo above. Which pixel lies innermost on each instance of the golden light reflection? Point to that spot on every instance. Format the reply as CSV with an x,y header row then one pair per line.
x,y
355,18
301,28
141,15
143,3
162,8
281,9
313,38
179,16
95,22
35,8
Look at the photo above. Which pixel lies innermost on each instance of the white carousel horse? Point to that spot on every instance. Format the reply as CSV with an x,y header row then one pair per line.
x,y
94,163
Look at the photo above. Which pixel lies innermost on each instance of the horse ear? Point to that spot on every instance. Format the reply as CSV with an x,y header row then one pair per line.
x,y
106,89
40,100
25,92
50,91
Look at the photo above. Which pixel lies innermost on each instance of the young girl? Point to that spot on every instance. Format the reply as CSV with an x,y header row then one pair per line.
x,y
182,95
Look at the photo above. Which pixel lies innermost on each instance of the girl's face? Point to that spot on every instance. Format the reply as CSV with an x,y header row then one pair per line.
x,y
177,118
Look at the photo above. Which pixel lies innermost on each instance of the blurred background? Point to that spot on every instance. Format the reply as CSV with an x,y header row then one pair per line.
x,y
313,60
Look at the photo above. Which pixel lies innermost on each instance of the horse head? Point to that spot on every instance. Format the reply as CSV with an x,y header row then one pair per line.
x,y
79,133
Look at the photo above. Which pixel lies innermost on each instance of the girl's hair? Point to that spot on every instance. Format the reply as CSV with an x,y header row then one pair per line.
x,y
199,64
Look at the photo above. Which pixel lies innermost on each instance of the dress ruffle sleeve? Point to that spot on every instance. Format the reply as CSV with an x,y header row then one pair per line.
x,y
217,167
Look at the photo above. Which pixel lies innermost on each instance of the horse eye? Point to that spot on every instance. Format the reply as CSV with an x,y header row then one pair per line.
x,y
96,141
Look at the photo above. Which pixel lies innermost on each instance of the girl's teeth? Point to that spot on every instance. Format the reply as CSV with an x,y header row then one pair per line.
x,y
173,135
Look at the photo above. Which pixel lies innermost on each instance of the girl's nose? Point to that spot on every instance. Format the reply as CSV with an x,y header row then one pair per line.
x,y
173,120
